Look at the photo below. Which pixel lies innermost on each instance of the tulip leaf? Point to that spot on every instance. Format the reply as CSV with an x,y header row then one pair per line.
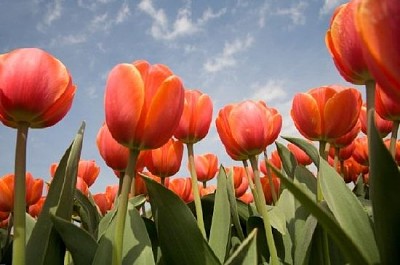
x,y
79,242
246,253
307,147
233,204
384,179
45,245
348,247
88,212
348,211
289,162
137,247
180,239
303,244
305,176
30,224
221,220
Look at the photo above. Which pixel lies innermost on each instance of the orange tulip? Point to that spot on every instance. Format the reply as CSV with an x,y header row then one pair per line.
x,y
360,153
267,189
35,209
384,126
114,154
349,137
247,128
182,187
34,189
82,186
345,152
343,43
111,192
378,25
240,181
165,161
247,198
326,113
88,170
301,157
35,88
143,104
207,190
196,117
103,202
274,159
206,166
388,107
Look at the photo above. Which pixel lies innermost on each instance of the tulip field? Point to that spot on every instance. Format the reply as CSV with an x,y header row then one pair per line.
x,y
329,197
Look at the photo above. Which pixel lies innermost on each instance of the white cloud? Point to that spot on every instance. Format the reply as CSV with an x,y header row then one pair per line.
x,y
70,39
54,12
271,91
330,5
262,13
123,13
183,24
295,13
227,57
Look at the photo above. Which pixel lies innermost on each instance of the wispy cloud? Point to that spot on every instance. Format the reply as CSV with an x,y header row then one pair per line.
x,y
329,6
227,57
123,13
262,14
295,13
271,91
183,24
53,12
70,39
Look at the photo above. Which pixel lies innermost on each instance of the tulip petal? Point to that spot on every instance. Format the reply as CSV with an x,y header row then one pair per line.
x,y
306,116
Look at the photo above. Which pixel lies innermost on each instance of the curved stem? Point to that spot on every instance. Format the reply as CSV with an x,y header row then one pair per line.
x,y
271,183
195,190
370,93
264,211
127,182
19,195
393,138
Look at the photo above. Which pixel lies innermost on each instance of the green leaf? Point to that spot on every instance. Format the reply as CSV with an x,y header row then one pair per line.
x,y
45,245
303,243
303,175
307,147
277,219
137,247
180,239
30,224
79,242
246,253
289,162
233,204
384,179
88,213
348,211
221,220
349,248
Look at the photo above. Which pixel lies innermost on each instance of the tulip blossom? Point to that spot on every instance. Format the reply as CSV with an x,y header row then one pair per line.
x,y
301,157
207,190
88,170
35,88
247,198
345,152
360,153
196,117
103,202
343,43
82,186
384,127
326,113
80,181
182,187
378,25
34,189
140,100
266,186
206,166
388,107
247,128
240,181
349,137
165,161
35,209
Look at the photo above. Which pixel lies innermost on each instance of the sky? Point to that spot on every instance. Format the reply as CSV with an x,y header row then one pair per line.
x,y
231,50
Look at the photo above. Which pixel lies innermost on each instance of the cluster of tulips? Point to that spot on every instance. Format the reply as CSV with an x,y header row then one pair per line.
x,y
274,209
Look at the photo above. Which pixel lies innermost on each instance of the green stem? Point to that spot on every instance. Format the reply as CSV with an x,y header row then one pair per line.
x,y
195,190
271,183
120,180
19,195
393,138
204,184
127,182
264,211
370,94
250,180
162,179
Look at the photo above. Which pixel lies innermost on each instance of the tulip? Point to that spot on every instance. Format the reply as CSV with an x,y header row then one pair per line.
x,y
140,99
34,189
35,209
384,127
240,181
35,88
360,153
165,161
88,170
182,187
206,166
345,152
247,128
247,198
345,47
326,113
196,117
207,190
267,188
377,23
103,202
301,157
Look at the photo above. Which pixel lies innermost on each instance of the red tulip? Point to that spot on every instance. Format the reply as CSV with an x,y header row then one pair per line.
x,y
247,198
34,189
343,43
349,137
196,117
82,186
384,126
360,153
206,166
35,209
274,159
111,192
326,113
207,190
35,88
378,25
267,189
388,107
182,187
351,170
143,104
103,202
240,181
247,128
114,154
345,152
88,170
165,161
301,157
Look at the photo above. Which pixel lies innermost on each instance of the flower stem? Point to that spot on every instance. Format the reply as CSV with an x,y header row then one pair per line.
x,y
19,195
127,182
271,183
195,190
393,138
370,93
264,211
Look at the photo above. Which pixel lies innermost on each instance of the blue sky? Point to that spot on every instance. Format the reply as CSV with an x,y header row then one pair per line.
x,y
232,50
